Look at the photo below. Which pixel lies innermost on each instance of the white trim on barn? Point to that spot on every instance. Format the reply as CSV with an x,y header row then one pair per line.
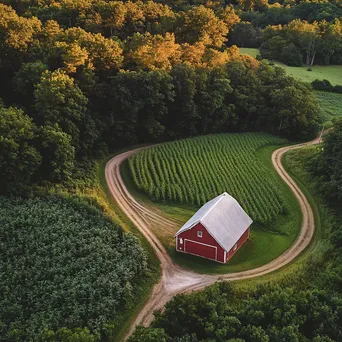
x,y
223,218
200,243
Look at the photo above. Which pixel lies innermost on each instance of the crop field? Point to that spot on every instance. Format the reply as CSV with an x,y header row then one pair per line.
x,y
63,264
330,103
332,73
193,171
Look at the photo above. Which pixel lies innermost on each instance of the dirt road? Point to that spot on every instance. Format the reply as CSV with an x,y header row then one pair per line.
x,y
177,280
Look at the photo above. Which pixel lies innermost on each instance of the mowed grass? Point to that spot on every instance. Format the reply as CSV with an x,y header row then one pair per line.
x,y
193,171
267,241
249,51
330,104
261,247
332,73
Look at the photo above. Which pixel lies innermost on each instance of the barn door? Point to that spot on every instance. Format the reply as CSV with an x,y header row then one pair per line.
x,y
200,249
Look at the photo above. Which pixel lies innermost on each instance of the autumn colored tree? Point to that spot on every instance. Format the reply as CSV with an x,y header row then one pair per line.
x,y
200,24
152,52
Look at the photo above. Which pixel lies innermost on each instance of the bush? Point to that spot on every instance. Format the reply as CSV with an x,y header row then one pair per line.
x,y
325,85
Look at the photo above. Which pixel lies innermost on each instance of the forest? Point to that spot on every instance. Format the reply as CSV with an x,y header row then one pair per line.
x,y
79,90
83,79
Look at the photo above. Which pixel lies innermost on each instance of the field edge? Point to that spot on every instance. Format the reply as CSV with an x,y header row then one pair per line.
x,y
204,266
124,321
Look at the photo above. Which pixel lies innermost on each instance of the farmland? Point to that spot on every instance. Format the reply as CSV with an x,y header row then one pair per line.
x,y
332,73
236,163
63,264
330,103
194,171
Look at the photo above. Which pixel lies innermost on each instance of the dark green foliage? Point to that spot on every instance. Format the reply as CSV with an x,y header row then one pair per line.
x,y
62,264
59,101
58,154
140,103
24,81
268,314
19,159
149,335
68,335
290,55
325,85
273,48
328,164
317,43
245,35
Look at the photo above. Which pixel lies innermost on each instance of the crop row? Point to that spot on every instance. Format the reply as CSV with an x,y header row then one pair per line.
x,y
195,170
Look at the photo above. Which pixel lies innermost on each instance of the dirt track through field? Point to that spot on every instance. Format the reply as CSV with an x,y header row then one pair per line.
x,y
177,280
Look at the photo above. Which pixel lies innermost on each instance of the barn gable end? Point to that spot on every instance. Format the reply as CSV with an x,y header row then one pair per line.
x,y
224,225
205,245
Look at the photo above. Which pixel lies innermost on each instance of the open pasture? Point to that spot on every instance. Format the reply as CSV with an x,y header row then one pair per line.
x,y
332,73
193,171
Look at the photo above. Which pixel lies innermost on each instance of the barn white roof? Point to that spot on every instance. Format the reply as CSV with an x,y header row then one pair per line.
x,y
223,218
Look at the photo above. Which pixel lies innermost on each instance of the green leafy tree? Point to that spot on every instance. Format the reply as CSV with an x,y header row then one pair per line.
x,y
24,81
68,335
290,55
149,335
59,100
244,34
272,48
139,103
58,154
19,159
328,164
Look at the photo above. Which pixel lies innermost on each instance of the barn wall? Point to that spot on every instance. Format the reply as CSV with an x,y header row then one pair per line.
x,y
240,242
197,249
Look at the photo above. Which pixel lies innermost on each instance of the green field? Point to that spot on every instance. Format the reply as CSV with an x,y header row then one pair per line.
x,y
237,163
62,258
193,171
332,73
331,105
249,51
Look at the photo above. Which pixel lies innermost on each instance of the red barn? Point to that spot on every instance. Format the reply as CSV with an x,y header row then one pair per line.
x,y
216,231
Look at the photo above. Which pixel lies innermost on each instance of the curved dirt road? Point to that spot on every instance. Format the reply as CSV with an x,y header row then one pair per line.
x,y
177,280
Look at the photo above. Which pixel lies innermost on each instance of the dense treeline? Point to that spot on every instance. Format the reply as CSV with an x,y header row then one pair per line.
x,y
306,306
270,313
70,93
63,265
327,165
301,42
210,22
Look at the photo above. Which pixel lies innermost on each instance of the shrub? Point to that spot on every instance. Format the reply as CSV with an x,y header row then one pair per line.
x,y
325,85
